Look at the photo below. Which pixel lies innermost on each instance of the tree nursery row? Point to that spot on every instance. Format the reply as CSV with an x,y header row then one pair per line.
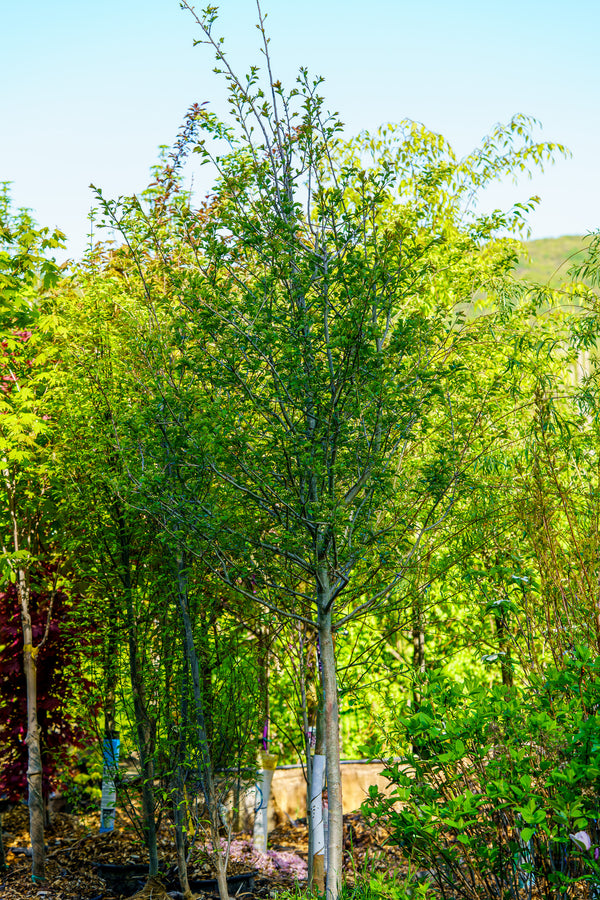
x,y
300,471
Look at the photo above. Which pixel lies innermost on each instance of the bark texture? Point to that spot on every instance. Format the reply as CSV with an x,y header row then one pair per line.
x,y
206,771
179,816
34,751
332,738
144,722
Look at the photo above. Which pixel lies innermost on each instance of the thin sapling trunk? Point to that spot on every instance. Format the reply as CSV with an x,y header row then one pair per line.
x,y
332,736
34,751
316,819
111,746
180,811
32,739
144,723
268,764
267,761
206,770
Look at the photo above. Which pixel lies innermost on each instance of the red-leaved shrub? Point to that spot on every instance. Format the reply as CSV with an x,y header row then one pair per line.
x,y
59,683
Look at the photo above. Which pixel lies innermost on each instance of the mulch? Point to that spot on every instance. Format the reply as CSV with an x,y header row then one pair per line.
x,y
74,848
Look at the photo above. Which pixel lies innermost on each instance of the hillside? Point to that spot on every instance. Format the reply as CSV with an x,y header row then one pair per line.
x,y
547,261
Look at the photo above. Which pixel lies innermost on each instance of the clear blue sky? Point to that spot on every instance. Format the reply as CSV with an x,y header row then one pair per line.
x,y
90,90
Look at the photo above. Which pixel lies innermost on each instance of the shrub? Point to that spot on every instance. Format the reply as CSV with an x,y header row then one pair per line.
x,y
503,777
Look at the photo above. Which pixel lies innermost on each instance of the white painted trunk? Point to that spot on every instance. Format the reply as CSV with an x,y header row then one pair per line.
x,y
316,820
32,740
326,830
335,839
108,804
268,764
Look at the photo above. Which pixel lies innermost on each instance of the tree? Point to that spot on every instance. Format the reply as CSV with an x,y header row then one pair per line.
x,y
120,446
314,305
26,274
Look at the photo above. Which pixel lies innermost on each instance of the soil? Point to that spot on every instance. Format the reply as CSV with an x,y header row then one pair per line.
x,y
75,848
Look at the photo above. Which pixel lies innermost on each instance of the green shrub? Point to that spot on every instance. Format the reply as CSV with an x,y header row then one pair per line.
x,y
375,886
502,779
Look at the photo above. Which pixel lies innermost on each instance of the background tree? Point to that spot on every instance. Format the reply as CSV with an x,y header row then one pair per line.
x,y
26,275
124,447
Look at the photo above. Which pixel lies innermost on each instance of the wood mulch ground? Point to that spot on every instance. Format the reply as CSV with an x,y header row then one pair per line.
x,y
75,847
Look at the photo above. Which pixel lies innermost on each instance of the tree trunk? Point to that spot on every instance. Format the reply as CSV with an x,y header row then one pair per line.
x,y
418,666
206,772
145,726
332,736
268,764
418,660
237,818
34,752
178,786
504,647
202,649
146,742
110,765
308,734
222,878
179,819
316,818
317,822
111,738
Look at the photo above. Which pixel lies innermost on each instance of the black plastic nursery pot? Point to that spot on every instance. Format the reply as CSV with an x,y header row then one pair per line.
x,y
238,885
123,878
128,878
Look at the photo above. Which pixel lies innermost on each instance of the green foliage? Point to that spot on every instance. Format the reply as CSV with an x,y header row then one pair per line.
x,y
369,886
26,270
307,346
80,780
26,276
27,360
503,777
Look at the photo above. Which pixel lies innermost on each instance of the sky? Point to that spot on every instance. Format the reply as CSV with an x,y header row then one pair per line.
x,y
90,90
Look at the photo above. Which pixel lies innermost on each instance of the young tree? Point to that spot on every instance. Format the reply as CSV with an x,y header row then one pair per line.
x,y
304,330
321,319
26,274
124,447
